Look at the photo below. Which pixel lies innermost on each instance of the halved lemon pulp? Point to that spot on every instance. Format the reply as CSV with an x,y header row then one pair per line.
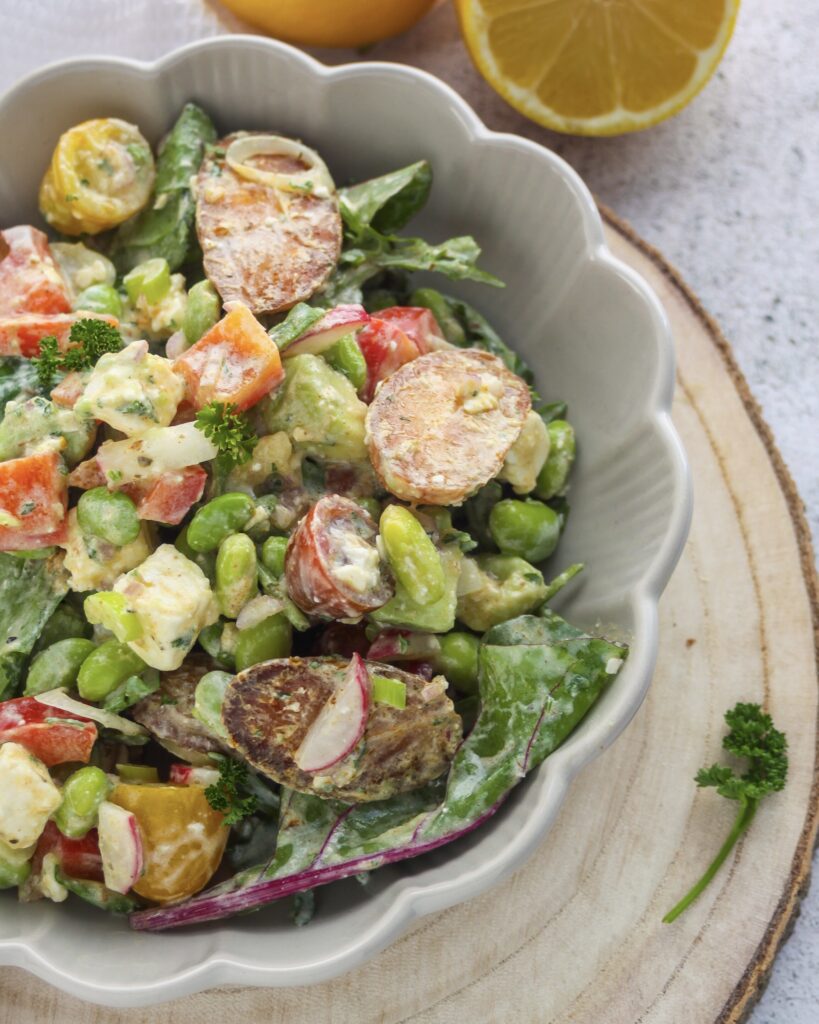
x,y
597,67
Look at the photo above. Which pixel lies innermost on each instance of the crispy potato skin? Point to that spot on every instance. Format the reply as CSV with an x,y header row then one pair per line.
x,y
263,247
168,713
269,707
441,426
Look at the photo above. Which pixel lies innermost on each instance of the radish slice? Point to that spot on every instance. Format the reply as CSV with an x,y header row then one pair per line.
x,y
120,847
402,645
107,719
341,722
326,332
315,180
190,775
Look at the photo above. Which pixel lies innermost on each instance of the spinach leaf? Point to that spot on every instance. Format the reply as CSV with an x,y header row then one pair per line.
x,y
165,228
538,678
388,202
18,379
30,590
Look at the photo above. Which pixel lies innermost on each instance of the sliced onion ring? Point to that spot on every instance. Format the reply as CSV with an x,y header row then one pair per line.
x,y
317,175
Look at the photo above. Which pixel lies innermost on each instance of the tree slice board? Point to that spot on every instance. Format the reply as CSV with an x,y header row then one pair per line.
x,y
575,936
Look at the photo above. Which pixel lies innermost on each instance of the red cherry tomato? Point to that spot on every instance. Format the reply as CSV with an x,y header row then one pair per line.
x,y
386,347
40,729
78,858
30,281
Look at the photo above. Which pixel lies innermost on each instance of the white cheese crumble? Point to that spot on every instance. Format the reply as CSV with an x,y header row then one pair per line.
x,y
28,796
613,666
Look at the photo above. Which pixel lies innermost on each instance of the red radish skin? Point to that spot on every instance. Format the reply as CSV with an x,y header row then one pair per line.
x,y
402,645
334,325
190,775
340,724
123,858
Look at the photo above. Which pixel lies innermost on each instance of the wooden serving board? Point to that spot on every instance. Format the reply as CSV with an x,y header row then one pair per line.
x,y
575,937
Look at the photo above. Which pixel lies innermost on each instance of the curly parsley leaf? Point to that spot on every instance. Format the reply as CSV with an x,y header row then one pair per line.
x,y
89,339
47,363
752,736
230,794
229,430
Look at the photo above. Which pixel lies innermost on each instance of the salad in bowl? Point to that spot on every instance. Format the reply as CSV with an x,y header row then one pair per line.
x,y
273,522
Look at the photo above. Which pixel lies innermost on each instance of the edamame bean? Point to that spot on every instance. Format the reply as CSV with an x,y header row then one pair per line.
x,y
201,311
83,792
100,298
208,698
110,515
58,665
528,529
273,551
271,638
151,279
412,555
15,865
105,668
346,357
206,560
111,611
219,640
555,472
237,574
437,304
220,518
458,660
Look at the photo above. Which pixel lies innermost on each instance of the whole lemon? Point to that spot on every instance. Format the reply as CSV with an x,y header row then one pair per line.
x,y
330,22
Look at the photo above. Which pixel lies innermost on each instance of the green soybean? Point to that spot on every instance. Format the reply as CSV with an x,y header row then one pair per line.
x,y
219,640
15,865
237,574
110,515
220,518
346,357
206,560
208,698
412,555
528,529
83,792
100,298
458,660
273,551
201,311
555,472
58,665
108,666
271,638
447,321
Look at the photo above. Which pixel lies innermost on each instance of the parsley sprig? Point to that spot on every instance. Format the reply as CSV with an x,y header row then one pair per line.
x,y
229,430
88,340
752,736
226,794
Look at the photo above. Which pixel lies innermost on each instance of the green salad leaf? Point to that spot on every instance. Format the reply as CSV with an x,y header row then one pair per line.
x,y
30,590
388,202
538,678
165,228
18,379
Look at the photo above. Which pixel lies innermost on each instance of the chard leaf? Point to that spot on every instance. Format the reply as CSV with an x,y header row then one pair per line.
x,y
30,590
388,202
165,228
538,678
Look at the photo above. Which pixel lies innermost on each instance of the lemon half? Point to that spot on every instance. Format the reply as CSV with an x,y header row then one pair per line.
x,y
597,67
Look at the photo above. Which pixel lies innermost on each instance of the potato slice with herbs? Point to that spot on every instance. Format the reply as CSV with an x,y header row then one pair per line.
x,y
265,245
269,708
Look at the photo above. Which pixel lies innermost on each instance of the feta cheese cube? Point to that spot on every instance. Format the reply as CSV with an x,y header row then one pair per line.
x,y
28,796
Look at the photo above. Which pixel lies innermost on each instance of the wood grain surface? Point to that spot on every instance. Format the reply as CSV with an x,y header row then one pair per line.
x,y
575,937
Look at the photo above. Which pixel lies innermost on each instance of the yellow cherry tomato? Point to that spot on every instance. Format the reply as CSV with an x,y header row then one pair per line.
x,y
183,838
101,173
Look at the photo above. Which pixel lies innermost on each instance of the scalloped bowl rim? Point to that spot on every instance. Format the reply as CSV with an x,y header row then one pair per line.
x,y
413,901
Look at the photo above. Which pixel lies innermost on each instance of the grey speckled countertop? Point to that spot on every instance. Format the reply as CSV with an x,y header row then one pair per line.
x,y
728,191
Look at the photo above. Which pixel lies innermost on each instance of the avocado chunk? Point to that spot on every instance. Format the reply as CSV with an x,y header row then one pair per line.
x,y
438,617
502,587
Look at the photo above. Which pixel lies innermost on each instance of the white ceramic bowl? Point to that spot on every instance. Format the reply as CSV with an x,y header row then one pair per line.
x,y
596,337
